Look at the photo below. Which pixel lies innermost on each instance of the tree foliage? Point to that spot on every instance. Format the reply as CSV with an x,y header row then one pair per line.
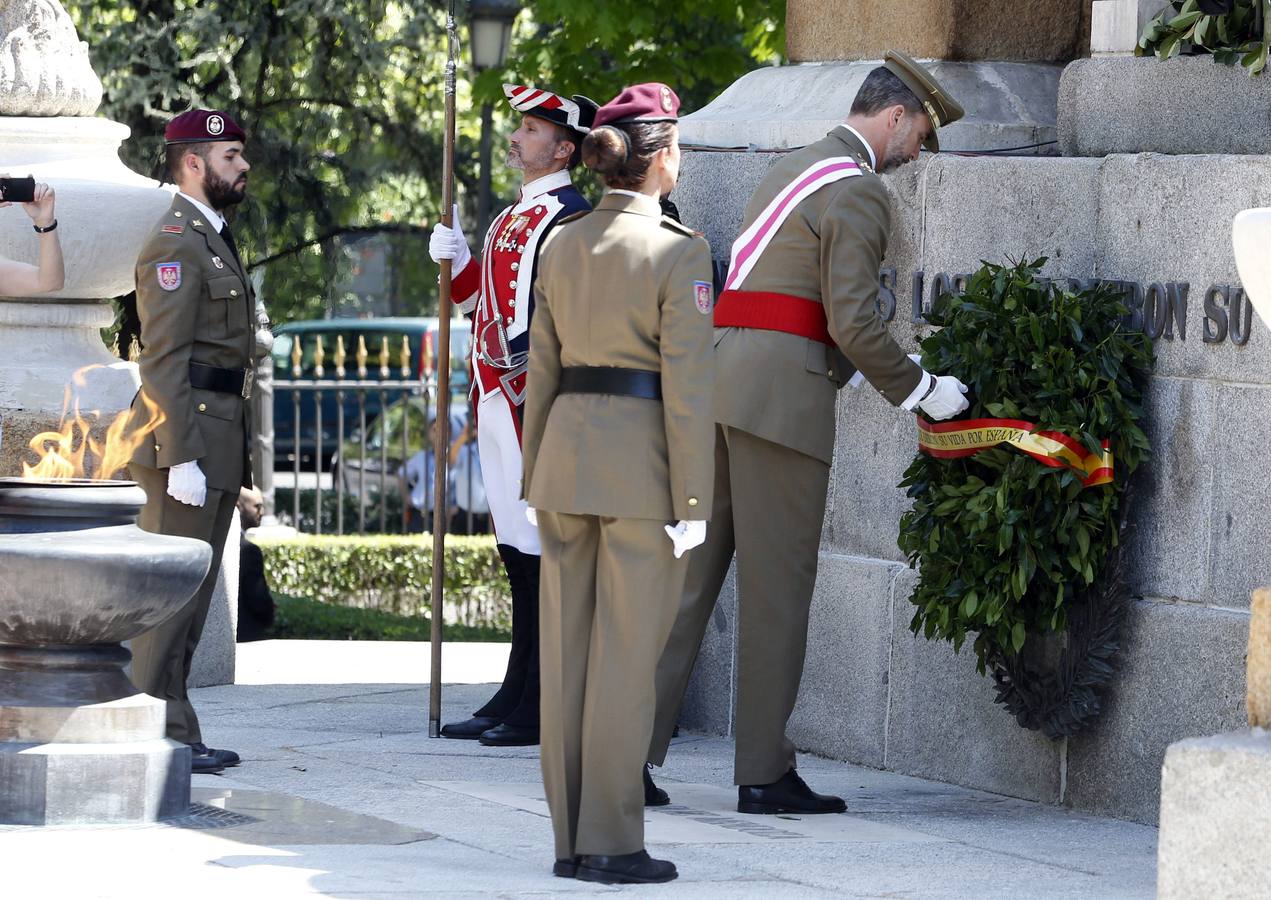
x,y
1004,543
344,107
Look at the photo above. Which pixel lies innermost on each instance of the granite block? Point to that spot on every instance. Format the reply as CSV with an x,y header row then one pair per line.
x,y
1173,496
943,723
1239,562
1216,818
1186,105
1165,219
842,706
708,701
874,444
214,658
1181,674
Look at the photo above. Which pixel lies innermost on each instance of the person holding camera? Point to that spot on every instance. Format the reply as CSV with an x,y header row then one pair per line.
x,y
19,279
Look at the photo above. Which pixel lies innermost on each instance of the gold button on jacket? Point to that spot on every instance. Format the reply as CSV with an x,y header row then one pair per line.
x,y
619,287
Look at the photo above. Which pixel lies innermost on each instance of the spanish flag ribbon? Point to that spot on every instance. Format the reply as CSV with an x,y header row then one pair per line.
x,y
949,440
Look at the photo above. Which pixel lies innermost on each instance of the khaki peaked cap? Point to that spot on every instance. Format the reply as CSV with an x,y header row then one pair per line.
x,y
941,108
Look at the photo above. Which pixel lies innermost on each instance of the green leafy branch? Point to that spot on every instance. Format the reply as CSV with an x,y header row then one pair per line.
x,y
1232,30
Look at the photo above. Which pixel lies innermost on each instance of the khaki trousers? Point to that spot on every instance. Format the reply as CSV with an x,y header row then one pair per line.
x,y
768,508
608,596
162,656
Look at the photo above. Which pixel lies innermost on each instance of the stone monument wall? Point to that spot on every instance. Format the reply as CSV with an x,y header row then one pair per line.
x,y
874,694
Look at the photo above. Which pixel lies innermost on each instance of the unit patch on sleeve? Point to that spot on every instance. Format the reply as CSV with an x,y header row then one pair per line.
x,y
704,293
169,275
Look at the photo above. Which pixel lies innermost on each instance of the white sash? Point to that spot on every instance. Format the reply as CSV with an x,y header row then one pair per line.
x,y
752,242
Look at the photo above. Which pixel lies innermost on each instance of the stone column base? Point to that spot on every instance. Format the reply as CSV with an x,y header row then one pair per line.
x,y
1216,818
68,766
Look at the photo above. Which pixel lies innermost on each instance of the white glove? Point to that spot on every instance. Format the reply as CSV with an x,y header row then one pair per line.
x,y
449,243
945,399
187,484
686,535
531,515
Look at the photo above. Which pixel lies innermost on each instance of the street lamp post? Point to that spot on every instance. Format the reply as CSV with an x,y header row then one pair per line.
x,y
491,33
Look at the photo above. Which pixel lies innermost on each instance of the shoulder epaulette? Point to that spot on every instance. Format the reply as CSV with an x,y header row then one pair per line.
x,y
668,222
572,216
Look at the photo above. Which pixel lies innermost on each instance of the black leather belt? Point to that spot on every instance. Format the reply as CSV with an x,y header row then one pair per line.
x,y
223,381
610,380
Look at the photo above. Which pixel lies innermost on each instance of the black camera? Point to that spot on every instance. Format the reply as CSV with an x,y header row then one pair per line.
x,y
17,190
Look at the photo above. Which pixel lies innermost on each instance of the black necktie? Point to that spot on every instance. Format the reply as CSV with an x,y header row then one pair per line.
x,y
228,237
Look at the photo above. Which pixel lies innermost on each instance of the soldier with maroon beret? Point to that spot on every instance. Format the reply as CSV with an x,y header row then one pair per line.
x,y
198,352
618,440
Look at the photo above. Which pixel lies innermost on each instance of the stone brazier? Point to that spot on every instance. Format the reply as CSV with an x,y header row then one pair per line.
x,y
79,743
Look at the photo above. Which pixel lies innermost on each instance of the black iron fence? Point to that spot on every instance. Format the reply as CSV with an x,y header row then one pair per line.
x,y
356,449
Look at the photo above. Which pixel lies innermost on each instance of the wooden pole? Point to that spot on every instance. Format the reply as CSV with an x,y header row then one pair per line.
x,y
441,446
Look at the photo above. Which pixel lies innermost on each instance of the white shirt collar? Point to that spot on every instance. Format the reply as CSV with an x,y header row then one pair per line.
x,y
215,219
540,186
873,163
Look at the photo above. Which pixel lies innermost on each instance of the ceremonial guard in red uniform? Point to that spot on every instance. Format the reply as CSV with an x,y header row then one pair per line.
x,y
496,292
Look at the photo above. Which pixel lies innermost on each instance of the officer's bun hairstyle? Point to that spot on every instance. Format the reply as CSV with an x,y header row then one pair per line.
x,y
883,89
621,154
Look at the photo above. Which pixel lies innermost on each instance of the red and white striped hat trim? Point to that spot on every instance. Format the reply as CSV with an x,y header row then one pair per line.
x,y
532,100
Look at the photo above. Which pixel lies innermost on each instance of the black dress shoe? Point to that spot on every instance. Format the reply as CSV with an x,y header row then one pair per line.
x,y
469,729
509,736
227,758
205,763
565,868
653,795
788,794
629,868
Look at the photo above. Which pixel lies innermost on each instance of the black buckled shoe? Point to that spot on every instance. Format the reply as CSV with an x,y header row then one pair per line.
x,y
202,762
469,729
565,868
629,868
653,795
509,736
227,758
788,794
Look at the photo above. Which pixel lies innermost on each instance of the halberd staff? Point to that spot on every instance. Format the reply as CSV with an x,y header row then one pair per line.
x,y
795,321
198,352
496,292
617,443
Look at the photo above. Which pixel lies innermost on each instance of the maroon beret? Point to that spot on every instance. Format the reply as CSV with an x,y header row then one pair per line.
x,y
652,102
202,125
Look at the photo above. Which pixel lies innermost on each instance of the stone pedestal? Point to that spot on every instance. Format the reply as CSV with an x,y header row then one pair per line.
x,y
1216,818
105,212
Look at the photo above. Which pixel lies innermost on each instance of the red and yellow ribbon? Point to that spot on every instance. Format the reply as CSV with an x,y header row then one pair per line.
x,y
949,440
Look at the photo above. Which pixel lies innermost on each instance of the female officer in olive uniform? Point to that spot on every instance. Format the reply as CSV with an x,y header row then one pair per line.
x,y
618,440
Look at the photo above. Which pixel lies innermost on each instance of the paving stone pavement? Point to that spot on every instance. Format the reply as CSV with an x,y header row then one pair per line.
x,y
341,794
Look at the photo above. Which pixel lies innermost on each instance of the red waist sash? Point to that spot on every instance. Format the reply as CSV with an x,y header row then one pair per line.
x,y
773,312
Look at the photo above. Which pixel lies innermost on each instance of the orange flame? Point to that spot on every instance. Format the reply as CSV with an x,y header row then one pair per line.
x,y
74,451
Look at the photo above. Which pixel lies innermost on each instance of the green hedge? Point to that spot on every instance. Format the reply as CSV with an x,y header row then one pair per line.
x,y
300,618
393,573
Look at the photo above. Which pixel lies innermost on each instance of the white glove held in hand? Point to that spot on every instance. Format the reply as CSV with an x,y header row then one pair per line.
x,y
531,514
686,535
449,243
187,484
946,399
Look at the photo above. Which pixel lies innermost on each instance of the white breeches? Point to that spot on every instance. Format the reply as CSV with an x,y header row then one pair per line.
x,y
500,451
